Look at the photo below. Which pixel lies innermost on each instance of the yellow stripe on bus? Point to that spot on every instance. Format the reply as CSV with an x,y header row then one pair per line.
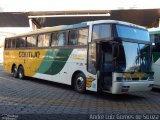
x,y
30,59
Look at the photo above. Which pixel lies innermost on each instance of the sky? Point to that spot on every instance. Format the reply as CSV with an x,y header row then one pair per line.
x,y
68,5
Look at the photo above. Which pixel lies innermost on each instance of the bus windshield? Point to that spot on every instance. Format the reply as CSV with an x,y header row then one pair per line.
x,y
132,57
129,32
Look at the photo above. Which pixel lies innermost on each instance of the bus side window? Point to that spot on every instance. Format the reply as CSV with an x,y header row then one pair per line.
x,y
28,41
82,36
73,40
101,31
62,38
43,40
18,42
46,40
13,43
32,41
92,58
22,42
7,43
40,40
54,41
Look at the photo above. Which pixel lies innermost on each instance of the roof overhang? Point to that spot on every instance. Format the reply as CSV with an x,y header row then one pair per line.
x,y
144,17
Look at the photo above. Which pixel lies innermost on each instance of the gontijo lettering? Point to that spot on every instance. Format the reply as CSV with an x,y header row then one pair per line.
x,y
35,54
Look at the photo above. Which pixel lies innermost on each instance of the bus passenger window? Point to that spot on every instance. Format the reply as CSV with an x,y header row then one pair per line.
x,y
46,40
43,40
54,41
20,42
101,31
7,43
13,43
23,42
73,40
92,58
62,38
40,40
31,41
82,36
10,43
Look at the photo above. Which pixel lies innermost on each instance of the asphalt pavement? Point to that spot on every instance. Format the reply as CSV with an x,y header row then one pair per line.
x,y
38,99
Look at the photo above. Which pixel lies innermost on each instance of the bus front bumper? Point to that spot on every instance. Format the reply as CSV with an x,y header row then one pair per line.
x,y
126,87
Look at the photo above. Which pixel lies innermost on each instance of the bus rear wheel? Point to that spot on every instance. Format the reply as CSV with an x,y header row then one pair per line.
x,y
80,83
21,72
14,71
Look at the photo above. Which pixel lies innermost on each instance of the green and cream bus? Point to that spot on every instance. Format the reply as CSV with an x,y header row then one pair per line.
x,y
105,55
155,38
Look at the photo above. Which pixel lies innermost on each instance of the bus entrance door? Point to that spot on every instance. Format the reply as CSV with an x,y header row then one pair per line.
x,y
105,66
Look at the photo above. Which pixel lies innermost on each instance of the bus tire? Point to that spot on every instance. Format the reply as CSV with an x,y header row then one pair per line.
x,y
80,83
21,72
15,71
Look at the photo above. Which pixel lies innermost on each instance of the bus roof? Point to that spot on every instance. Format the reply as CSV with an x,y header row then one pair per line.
x,y
79,25
117,22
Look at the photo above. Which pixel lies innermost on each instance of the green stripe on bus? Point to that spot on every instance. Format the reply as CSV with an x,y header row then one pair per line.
x,y
54,61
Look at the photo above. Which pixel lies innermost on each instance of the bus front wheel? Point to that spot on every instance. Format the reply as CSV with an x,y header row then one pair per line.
x,y
80,83
21,72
